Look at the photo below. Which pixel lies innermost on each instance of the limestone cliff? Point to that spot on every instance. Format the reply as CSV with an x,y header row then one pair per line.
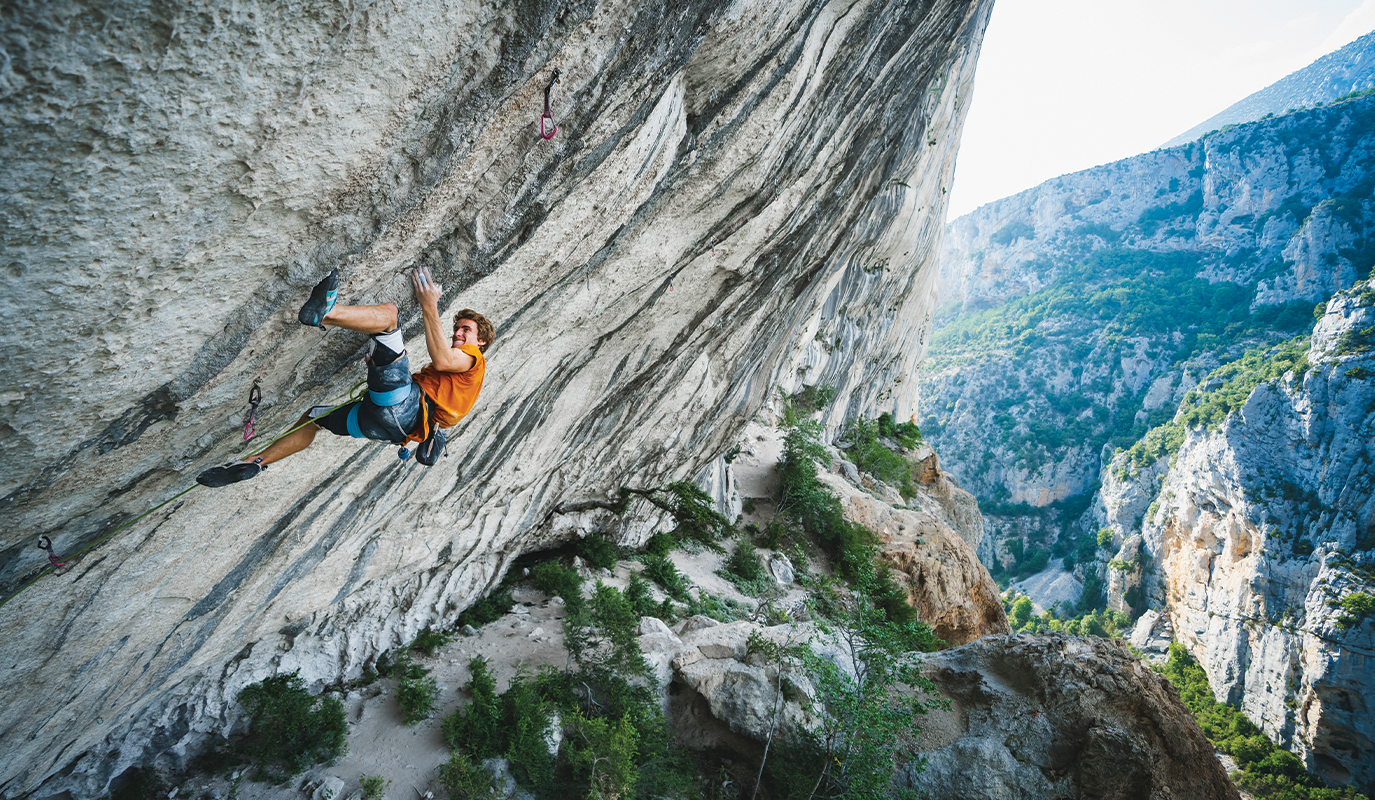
x,y
1258,531
739,194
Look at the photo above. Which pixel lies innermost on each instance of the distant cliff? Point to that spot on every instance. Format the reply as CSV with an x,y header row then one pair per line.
x,y
739,195
1350,69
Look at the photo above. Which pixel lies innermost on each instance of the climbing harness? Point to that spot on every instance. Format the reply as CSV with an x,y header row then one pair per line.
x,y
44,543
547,115
255,396
55,563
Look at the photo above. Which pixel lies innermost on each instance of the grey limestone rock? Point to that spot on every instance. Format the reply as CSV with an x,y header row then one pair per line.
x,y
1059,716
733,184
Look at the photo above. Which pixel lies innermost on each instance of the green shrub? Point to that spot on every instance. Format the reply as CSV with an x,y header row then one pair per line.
x,y
416,695
428,641
746,570
556,580
660,569
290,731
1358,606
488,609
602,755
1105,537
661,544
478,727
464,780
599,552
528,719
721,609
638,596
773,534
807,401
870,456
374,786
906,434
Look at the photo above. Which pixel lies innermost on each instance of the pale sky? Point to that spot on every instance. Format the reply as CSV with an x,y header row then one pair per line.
x,y
1063,85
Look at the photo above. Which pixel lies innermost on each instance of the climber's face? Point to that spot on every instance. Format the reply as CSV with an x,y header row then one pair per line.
x,y
465,332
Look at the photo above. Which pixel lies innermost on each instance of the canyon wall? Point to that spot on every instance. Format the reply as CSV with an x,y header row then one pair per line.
x,y
1258,532
740,196
1091,341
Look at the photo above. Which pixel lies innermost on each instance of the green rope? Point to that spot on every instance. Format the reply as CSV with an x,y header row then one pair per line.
x,y
354,395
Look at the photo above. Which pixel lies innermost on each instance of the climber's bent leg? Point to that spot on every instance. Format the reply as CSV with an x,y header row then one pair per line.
x,y
364,319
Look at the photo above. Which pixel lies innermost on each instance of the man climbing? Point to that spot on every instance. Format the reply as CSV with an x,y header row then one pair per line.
x,y
399,407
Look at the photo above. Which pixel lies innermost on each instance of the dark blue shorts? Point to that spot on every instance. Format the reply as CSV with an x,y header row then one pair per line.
x,y
390,411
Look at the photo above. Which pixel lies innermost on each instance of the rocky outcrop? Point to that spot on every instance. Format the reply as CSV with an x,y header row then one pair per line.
x,y
1350,69
739,194
1262,527
1030,716
1059,716
932,544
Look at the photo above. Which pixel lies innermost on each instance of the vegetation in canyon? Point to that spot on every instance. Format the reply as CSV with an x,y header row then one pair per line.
x,y
1268,772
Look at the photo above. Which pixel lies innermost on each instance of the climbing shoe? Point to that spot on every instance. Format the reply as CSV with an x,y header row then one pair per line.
x,y
321,300
233,472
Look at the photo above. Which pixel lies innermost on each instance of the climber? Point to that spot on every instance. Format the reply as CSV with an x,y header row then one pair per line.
x,y
399,407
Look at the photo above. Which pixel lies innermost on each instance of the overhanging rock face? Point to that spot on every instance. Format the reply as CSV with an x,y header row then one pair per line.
x,y
740,196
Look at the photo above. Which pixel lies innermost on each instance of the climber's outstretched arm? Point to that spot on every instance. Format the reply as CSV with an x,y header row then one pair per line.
x,y
444,352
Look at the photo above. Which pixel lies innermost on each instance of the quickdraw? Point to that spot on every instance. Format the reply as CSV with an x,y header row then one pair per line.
x,y
44,543
255,396
547,115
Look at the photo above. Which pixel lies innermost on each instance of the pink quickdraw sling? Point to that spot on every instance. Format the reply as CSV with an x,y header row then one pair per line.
x,y
44,543
547,115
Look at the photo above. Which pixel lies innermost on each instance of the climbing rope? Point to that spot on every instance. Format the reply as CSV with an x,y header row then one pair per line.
x,y
547,115
54,562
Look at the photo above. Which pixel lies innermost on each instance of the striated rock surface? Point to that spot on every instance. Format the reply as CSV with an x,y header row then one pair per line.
x,y
1262,527
1060,716
739,193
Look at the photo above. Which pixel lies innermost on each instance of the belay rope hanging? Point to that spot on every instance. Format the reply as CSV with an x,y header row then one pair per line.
x,y
547,115
255,397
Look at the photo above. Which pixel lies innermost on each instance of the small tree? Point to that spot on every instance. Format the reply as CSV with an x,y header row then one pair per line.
x,y
866,717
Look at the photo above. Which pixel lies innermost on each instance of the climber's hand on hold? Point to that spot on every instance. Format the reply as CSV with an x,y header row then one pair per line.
x,y
427,292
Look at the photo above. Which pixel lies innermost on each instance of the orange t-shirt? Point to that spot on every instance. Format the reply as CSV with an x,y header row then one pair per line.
x,y
453,392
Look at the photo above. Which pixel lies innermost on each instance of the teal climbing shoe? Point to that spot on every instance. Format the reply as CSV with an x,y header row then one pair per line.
x,y
321,300
233,472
